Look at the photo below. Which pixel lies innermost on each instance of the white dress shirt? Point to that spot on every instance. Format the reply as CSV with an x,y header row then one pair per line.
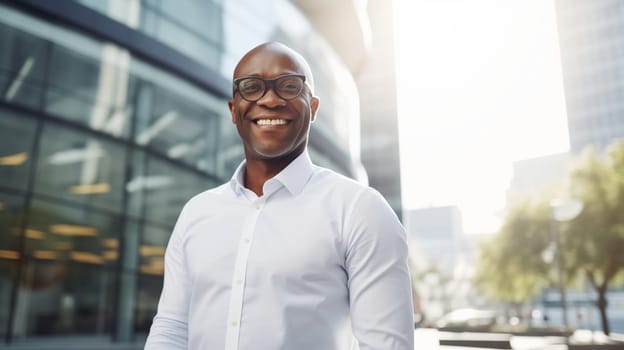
x,y
314,261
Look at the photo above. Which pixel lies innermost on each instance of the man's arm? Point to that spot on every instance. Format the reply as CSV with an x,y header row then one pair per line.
x,y
169,329
379,281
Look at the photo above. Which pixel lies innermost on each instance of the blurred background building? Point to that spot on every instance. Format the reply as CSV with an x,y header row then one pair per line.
x,y
438,231
113,113
591,42
442,259
378,108
537,175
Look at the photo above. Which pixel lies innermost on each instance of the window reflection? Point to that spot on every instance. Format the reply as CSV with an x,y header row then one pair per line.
x,y
166,187
68,234
8,269
80,167
183,133
56,298
146,302
67,278
17,137
151,269
91,91
152,249
11,215
192,27
22,72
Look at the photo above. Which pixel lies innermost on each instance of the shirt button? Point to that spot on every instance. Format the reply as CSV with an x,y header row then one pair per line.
x,y
258,206
234,323
239,281
247,241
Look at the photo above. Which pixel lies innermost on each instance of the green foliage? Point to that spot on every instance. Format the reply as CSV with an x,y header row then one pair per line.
x,y
510,266
595,239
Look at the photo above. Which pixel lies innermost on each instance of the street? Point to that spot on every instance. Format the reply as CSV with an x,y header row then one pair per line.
x,y
429,339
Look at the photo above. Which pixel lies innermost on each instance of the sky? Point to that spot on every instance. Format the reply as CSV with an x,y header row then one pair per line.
x,y
479,86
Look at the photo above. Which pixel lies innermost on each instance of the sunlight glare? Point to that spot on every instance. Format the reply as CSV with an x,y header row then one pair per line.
x,y
479,86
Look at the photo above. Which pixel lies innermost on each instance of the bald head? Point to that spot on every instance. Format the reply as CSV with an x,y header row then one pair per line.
x,y
273,57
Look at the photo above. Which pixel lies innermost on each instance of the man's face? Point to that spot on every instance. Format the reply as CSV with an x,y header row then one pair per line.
x,y
272,127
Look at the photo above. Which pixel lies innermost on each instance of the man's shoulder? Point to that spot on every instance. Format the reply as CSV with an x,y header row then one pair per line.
x,y
360,200
333,181
322,174
213,195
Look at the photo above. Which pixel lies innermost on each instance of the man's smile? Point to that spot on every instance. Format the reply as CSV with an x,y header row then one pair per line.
x,y
271,122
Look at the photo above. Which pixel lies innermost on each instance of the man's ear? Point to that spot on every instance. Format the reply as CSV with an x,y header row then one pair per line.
x,y
314,105
232,110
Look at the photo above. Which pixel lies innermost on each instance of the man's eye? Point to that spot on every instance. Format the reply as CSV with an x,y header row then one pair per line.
x,y
290,85
250,87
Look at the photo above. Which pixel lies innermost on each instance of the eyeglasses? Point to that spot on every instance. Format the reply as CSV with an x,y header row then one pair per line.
x,y
287,87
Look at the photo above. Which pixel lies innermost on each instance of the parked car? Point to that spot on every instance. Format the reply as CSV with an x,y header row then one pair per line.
x,y
467,318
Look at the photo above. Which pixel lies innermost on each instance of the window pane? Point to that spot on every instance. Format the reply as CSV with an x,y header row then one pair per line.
x,y
147,302
89,91
8,270
17,134
166,188
80,167
11,215
152,250
178,127
63,299
72,234
68,278
22,66
192,27
230,152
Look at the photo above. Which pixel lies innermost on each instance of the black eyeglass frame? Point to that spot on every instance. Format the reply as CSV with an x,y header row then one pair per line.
x,y
268,83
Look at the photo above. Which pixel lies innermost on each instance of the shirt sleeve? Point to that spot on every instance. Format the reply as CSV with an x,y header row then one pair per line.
x,y
379,283
169,329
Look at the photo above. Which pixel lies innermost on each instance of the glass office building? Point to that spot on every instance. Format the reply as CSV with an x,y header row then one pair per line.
x,y
112,115
379,116
591,40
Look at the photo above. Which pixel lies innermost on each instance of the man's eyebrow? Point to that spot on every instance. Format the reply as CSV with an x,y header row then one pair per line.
x,y
256,75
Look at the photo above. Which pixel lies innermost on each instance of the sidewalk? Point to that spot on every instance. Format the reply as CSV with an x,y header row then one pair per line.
x,y
430,339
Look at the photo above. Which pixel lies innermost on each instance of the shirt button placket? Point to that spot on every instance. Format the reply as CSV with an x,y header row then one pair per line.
x,y
238,283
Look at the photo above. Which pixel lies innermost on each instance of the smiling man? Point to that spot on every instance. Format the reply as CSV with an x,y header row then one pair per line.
x,y
286,255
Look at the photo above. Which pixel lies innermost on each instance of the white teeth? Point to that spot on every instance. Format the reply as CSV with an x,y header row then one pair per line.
x,y
271,122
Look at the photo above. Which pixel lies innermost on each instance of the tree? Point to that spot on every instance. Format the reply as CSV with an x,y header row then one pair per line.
x,y
593,242
510,267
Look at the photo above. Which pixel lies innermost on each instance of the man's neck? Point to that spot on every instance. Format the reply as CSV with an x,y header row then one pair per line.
x,y
258,171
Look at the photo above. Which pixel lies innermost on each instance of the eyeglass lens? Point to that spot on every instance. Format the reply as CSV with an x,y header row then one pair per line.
x,y
287,87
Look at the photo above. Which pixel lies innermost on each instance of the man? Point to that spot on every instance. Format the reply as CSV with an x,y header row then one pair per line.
x,y
286,255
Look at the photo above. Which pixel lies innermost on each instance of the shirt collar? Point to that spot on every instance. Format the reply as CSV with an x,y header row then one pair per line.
x,y
294,177
237,181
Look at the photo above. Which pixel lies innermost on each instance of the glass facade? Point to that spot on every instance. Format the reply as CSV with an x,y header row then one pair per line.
x,y
379,121
217,33
591,40
100,148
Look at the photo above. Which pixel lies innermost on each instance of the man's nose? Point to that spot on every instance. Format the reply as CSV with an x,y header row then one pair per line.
x,y
271,99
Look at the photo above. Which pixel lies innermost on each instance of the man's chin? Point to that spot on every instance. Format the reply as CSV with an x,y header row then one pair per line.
x,y
274,150
270,155
275,153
